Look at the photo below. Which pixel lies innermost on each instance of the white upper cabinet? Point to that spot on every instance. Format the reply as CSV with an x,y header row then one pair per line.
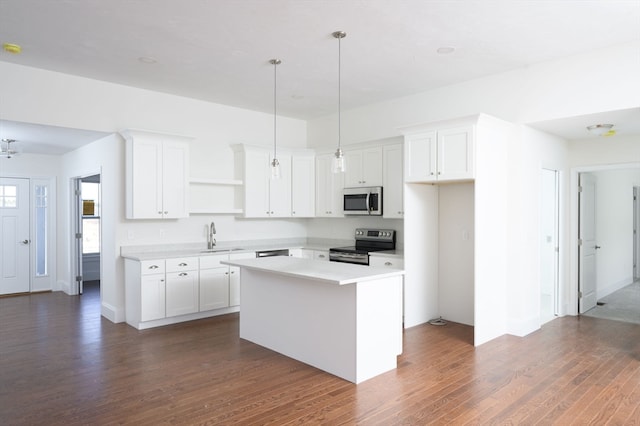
x,y
156,175
363,167
329,188
303,190
262,195
440,154
392,182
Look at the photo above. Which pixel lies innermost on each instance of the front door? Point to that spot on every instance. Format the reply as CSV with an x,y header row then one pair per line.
x,y
14,236
587,244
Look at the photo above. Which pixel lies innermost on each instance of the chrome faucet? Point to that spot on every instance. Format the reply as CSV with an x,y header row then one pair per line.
x,y
211,241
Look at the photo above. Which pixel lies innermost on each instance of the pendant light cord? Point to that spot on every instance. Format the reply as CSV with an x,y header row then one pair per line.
x,y
339,91
275,82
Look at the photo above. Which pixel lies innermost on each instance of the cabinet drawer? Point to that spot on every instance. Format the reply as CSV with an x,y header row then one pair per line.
x,y
152,267
182,264
209,262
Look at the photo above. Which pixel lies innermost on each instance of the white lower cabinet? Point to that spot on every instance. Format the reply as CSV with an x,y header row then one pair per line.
x,y
234,277
152,296
182,286
214,283
386,262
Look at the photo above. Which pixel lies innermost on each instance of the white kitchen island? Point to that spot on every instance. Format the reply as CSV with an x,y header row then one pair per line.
x,y
342,318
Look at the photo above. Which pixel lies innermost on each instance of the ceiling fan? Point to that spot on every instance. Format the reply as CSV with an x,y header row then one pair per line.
x,y
6,150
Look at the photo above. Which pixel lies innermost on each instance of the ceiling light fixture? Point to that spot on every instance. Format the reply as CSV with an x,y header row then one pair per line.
x,y
601,129
275,164
12,48
339,164
6,150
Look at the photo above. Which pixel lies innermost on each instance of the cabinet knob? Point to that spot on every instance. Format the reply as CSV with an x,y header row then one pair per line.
x,y
226,273
439,173
159,212
293,212
233,272
321,256
431,173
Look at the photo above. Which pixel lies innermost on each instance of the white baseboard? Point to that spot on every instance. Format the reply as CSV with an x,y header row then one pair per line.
x,y
112,313
522,327
603,291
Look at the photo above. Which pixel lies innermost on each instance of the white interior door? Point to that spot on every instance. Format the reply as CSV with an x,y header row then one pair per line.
x,y
587,245
549,248
14,236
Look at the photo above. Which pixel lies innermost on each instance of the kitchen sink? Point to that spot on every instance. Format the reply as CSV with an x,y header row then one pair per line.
x,y
217,250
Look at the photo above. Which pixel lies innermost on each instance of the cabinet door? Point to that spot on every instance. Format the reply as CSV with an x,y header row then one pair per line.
x,y
152,297
329,188
256,183
420,157
144,168
353,169
182,293
455,153
175,177
234,278
372,167
303,191
280,189
393,185
214,288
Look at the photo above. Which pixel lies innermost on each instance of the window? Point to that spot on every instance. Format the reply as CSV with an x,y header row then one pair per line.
x,y
91,217
8,196
41,231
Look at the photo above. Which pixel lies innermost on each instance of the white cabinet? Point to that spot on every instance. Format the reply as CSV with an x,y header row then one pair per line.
x,y
156,175
152,290
263,196
214,282
234,277
329,188
303,178
321,255
363,167
440,155
393,182
386,262
182,292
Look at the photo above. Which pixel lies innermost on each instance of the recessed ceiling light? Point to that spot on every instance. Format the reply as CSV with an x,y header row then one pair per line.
x,y
147,59
446,50
12,48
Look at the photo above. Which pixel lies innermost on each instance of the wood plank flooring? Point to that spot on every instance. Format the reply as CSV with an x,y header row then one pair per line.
x,y
61,363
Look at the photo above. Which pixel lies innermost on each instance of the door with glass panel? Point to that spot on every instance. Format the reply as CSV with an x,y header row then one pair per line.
x,y
14,236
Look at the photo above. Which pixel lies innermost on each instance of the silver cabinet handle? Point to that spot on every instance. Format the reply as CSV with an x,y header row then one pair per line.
x,y
153,267
597,247
321,256
388,263
182,264
182,274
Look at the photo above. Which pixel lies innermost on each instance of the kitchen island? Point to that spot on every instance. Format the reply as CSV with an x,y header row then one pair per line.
x,y
342,318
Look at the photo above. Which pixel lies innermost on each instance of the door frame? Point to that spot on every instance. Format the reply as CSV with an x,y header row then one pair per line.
x,y
571,301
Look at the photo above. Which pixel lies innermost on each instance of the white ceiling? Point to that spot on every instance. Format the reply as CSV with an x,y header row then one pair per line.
x,y
218,50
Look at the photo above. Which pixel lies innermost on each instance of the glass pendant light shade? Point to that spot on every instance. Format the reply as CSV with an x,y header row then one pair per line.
x,y
338,164
275,164
275,169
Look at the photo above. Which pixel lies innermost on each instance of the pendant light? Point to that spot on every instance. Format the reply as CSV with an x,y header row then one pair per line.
x,y
339,164
275,164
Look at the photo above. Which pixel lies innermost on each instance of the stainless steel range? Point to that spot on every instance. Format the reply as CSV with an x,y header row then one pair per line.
x,y
367,240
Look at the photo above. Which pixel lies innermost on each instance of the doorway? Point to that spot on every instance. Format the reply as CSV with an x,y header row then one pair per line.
x,y
15,236
549,245
87,233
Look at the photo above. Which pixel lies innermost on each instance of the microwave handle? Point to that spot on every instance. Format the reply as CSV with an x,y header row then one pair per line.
x,y
368,202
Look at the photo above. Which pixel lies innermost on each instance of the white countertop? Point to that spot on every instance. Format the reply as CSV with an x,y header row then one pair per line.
x,y
330,272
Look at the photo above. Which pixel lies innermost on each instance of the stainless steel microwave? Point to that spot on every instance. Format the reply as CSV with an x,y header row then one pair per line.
x,y
363,201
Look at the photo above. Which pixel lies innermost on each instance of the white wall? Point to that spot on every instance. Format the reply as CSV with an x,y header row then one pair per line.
x,y
614,229
50,98
456,241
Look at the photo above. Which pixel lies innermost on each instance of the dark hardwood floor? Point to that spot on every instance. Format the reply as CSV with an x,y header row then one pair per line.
x,y
61,363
